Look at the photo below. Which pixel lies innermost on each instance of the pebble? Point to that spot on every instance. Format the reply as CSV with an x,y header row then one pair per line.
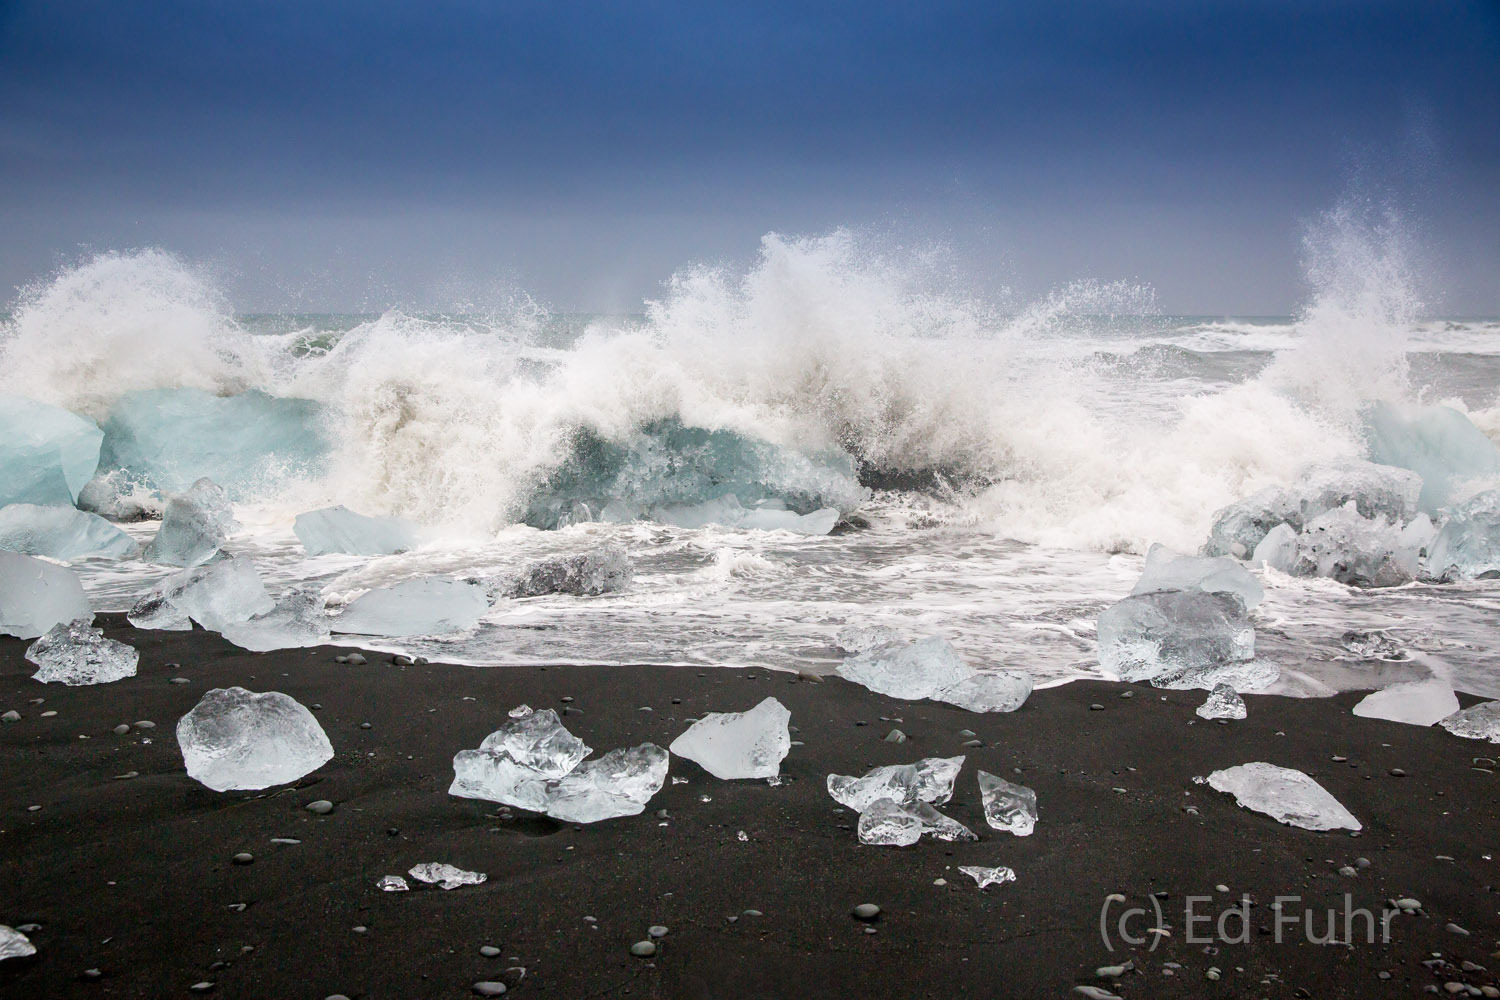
x,y
895,736
403,661
972,743
179,680
866,911
361,929
1347,871
753,913
121,729
1455,929
488,988
1408,904
656,931
1221,887
643,949
1096,707
322,807
1127,694
49,713
145,724
1213,974
1396,772
92,973
489,951
1361,862
335,996
364,725
244,858
202,987
11,716
356,660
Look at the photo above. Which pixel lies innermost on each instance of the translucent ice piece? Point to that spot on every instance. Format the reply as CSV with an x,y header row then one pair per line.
x,y
297,621
75,654
36,595
1467,547
1240,527
1162,637
195,525
46,453
996,691
1286,795
1223,702
986,877
392,883
62,533
888,823
618,784
1007,806
433,606
14,944
238,739
513,764
1277,550
919,670
1361,552
215,596
339,529
1168,570
928,780
446,876
1439,443
1477,722
739,744
863,638
1419,703
588,574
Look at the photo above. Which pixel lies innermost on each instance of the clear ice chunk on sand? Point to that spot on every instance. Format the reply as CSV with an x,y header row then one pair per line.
x,y
446,876
889,823
194,526
986,877
928,780
1418,703
996,691
296,621
620,783
1223,702
392,883
14,944
432,606
76,654
238,739
35,595
912,672
1168,570
587,574
1438,443
514,763
339,529
1477,722
47,454
734,745
62,533
1007,806
1467,546
1286,795
215,596
1173,637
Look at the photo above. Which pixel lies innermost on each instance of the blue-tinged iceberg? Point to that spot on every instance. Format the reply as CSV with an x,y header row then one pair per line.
x,y
417,607
1467,546
62,533
167,439
46,453
1437,442
194,527
36,595
339,529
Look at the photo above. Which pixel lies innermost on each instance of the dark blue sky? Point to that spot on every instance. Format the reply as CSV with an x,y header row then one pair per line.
x,y
355,155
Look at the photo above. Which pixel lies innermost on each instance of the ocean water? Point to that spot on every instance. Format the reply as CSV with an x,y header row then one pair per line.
x,y
1002,467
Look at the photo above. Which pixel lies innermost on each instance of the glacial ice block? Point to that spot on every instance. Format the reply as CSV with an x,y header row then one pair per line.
x,y
1419,703
1172,637
986,877
514,763
167,439
116,497
1361,552
62,533
1168,570
339,529
14,944
913,672
446,876
734,745
1240,527
36,595
46,453
238,739
1467,546
618,784
1286,795
889,823
75,654
1278,549
194,526
929,780
432,606
996,691
1223,702
215,596
1439,443
296,621
1477,722
587,574
1007,806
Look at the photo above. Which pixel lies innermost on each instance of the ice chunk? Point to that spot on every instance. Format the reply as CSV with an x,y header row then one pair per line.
x,y
928,780
14,944
863,638
739,744
446,876
998,691
601,571
215,596
237,739
432,606
819,522
167,439
1286,795
727,512
1467,547
36,595
1420,703
195,525
514,763
296,621
1240,527
1477,722
919,670
1171,636
618,784
889,823
986,877
1223,702
339,529
75,654
1376,490
392,883
1277,550
114,495
1361,552
46,453
1007,806
62,533
1439,443
1168,570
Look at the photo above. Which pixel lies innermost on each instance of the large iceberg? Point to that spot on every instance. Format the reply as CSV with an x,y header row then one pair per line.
x,y
1467,546
195,525
62,533
215,596
36,595
168,439
733,745
1182,639
1286,795
76,654
432,606
929,780
1439,443
1007,806
46,453
297,620
1420,703
587,574
1343,545
1168,570
1477,722
238,739
339,529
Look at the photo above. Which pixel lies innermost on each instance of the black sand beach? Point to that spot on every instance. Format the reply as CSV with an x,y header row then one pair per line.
x,y
133,877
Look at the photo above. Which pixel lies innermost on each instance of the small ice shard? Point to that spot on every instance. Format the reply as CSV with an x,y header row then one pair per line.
x,y
519,711
339,529
1286,795
296,621
14,944
1277,550
46,453
1223,702
998,691
863,638
733,745
1173,636
238,739
62,533
194,526
446,876
1419,703
1240,527
36,595
1477,722
1007,806
618,784
215,596
888,823
118,497
392,883
928,780
75,654
431,606
588,574
1342,545
514,763
986,877
913,672
1467,547
1168,570
1437,442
